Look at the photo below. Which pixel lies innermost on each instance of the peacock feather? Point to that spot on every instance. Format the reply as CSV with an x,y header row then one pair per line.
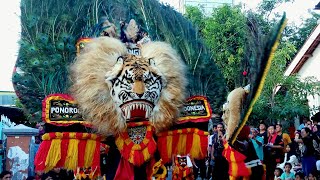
x,y
51,28
259,66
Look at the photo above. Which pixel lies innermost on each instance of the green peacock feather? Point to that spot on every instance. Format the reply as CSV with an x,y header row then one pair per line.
x,y
259,67
50,29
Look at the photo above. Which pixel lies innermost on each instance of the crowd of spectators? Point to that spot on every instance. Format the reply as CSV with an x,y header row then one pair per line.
x,y
288,154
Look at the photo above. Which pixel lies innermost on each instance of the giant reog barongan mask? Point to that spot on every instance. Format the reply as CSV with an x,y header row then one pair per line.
x,y
113,87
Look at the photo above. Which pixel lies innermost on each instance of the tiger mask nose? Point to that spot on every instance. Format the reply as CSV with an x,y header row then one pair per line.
x,y
138,88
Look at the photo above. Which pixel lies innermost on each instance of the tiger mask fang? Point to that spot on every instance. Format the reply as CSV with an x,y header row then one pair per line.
x,y
136,86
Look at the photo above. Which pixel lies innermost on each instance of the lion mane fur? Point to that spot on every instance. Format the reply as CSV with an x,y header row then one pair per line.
x,y
232,110
99,59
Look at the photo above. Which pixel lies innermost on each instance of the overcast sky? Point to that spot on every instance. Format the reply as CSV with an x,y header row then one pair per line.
x,y
10,31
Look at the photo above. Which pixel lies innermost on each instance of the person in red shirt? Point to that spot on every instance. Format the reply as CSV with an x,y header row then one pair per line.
x,y
274,150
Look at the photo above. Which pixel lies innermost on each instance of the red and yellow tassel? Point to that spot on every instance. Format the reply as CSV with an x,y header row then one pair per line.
x,y
183,141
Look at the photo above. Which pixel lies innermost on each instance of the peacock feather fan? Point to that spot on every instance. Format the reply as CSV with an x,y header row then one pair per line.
x,y
51,28
259,65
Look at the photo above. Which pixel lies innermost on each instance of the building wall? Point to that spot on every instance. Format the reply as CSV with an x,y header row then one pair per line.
x,y
312,68
206,5
17,157
7,98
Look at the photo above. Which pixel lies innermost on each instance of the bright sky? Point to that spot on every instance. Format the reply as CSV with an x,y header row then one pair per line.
x,y
10,31
294,11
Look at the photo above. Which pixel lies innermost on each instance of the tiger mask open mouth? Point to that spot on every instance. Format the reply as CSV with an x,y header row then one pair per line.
x,y
135,87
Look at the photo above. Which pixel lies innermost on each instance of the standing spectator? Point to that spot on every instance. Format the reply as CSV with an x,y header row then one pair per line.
x,y
303,124
264,135
285,137
212,131
6,175
257,142
289,157
297,146
263,132
308,158
220,168
309,124
57,174
211,161
274,151
245,146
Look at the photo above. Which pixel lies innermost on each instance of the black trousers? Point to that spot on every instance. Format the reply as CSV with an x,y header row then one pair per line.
x,y
202,166
220,169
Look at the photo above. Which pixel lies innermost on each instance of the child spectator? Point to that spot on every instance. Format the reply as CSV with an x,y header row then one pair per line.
x,y
277,173
299,176
312,176
287,175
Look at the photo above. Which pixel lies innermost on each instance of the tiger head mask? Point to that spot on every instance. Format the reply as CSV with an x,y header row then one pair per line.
x,y
137,87
113,87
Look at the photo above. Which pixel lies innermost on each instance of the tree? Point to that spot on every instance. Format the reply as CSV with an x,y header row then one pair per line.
x,y
267,7
225,33
284,98
196,16
300,35
236,37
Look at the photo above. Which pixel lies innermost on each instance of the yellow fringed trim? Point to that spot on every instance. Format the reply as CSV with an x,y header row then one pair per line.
x,y
169,145
72,153
261,84
90,149
196,146
182,144
54,154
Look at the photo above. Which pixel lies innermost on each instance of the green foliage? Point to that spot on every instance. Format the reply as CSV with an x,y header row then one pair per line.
x,y
290,101
266,7
196,16
284,98
300,34
236,38
225,33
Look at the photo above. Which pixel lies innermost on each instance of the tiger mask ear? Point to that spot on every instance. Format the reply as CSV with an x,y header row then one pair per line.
x,y
111,75
154,68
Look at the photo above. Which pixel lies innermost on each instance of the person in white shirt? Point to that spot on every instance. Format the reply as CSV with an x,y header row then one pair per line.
x,y
289,157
